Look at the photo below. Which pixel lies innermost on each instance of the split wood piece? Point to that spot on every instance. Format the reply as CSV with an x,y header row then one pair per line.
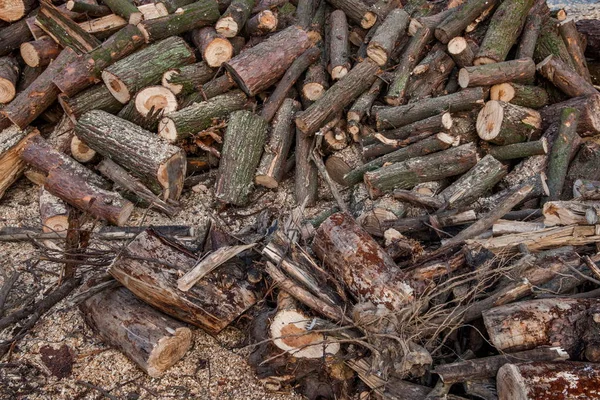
x,y
12,140
272,164
362,107
38,153
565,78
439,142
568,323
160,165
81,152
456,22
462,51
215,49
425,223
586,189
278,52
504,123
64,30
53,212
521,95
519,150
97,97
475,183
498,72
367,270
585,164
41,52
146,67
550,42
589,118
590,29
418,199
91,9
339,47
574,235
126,10
199,116
560,155
387,34
12,36
506,227
340,95
262,23
487,367
9,75
185,80
545,380
406,174
316,81
151,339
572,38
529,37
288,80
234,18
357,11
104,27
571,213
86,70
212,304
125,181
412,55
157,98
14,10
243,145
396,117
306,174
503,31
35,99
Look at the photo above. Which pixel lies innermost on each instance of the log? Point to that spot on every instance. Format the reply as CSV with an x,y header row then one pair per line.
x,y
14,10
278,52
395,117
551,43
568,31
9,74
12,36
125,9
215,49
212,304
429,77
406,174
156,98
590,29
151,339
53,212
571,213
12,141
316,81
531,31
86,71
362,107
146,67
357,11
585,164
188,79
589,118
425,223
33,101
272,164
39,53
565,78
262,23
199,116
81,152
104,27
520,150
234,18
456,22
98,97
521,95
339,47
500,72
545,380
340,95
159,164
91,9
505,123
306,183
242,148
387,34
367,270
462,51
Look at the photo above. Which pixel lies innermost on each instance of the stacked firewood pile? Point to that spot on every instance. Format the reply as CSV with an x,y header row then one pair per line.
x,y
458,139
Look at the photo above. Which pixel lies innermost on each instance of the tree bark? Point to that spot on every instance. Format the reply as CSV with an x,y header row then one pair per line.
x,y
520,150
529,37
356,11
91,9
568,31
339,47
590,29
565,78
429,77
215,49
262,23
188,79
9,74
12,36
498,72
456,22
550,42
589,118
521,95
234,18
306,179
504,123
387,34
12,141
571,213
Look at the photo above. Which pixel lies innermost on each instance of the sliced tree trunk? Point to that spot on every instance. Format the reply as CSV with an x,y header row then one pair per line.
x,y
14,10
12,36
262,23
560,155
572,38
505,123
316,81
157,163
565,78
259,67
234,18
9,74
212,304
357,11
531,31
146,67
39,53
199,116
242,148
546,380
12,140
151,339
215,49
188,79
456,22
387,34
306,179
53,212
462,51
81,152
500,72
589,118
521,95
520,150
155,98
339,47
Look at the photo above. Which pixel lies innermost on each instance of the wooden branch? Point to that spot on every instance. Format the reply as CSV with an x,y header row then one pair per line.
x,y
560,155
234,18
520,150
387,34
356,11
491,74
521,95
568,31
339,47
565,78
456,22
306,178
529,37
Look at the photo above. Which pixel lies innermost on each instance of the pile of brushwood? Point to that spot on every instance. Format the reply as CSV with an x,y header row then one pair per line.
x,y
459,141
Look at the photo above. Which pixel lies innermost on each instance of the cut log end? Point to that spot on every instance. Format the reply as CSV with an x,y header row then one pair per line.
x,y
58,223
157,97
457,45
30,55
511,382
463,78
12,10
339,72
502,92
167,129
447,121
116,87
168,351
227,27
217,52
313,91
7,90
368,20
489,120
145,33
166,81
81,151
266,181
136,18
377,54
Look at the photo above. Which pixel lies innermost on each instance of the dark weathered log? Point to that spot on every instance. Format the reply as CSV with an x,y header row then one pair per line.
x,y
565,78
395,117
550,42
188,79
432,21
146,67
34,100
339,47
97,97
9,74
367,270
572,39
342,162
520,150
278,52
13,35
429,77
504,123
406,174
362,107
158,164
586,189
522,95
456,22
272,164
462,51
546,380
234,18
86,70
215,49
306,179
305,11
341,94
357,11
425,223
12,141
243,145
590,29
499,72
531,31
212,304
589,118
387,34
199,116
